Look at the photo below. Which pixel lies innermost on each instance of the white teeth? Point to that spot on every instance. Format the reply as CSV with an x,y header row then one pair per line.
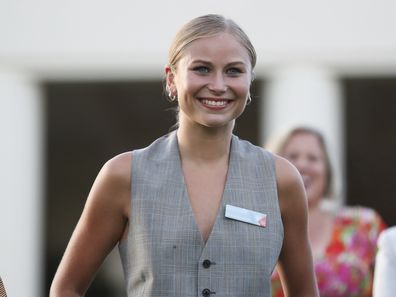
x,y
214,102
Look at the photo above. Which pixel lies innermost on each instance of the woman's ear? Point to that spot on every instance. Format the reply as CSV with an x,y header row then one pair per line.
x,y
169,77
170,82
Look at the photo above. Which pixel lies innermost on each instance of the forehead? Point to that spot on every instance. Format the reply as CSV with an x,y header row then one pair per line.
x,y
304,141
222,46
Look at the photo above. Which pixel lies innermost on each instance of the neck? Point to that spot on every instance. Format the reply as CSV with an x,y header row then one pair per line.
x,y
320,228
318,216
315,210
201,143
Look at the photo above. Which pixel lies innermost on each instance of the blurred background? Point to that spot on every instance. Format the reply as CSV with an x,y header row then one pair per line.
x,y
82,81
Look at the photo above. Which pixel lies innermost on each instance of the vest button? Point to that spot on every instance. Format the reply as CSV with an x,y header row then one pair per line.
x,y
206,263
206,292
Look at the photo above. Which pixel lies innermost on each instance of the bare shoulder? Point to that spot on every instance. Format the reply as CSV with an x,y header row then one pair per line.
x,y
119,167
113,183
287,176
289,183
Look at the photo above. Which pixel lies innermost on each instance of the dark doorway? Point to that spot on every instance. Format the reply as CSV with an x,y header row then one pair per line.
x,y
371,144
87,124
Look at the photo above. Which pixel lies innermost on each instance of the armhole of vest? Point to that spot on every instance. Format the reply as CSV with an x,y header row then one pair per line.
x,y
123,243
134,165
270,157
134,160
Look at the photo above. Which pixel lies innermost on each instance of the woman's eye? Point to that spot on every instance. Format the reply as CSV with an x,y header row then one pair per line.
x,y
201,69
313,159
234,71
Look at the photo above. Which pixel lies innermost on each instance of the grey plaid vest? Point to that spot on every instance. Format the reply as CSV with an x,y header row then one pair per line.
x,y
164,253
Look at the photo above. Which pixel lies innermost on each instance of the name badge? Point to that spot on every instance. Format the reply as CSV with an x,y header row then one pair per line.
x,y
246,215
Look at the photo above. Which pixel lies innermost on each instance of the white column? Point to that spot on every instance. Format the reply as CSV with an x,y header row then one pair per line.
x,y
21,201
306,95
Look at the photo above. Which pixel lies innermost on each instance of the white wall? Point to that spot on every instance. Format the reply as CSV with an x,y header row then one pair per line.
x,y
132,37
21,199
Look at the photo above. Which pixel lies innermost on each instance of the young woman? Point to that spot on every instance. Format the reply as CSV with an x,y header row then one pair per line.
x,y
201,212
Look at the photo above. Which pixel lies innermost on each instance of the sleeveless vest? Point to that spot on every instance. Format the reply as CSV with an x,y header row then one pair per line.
x,y
164,253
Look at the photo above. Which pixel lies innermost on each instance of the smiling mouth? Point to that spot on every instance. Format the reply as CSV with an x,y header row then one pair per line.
x,y
218,103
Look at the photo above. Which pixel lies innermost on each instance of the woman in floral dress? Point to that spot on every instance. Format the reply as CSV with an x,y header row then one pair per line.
x,y
343,240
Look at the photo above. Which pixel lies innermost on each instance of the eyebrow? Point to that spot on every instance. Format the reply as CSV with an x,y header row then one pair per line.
x,y
199,61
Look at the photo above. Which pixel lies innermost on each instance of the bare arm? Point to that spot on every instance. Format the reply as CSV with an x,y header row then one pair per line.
x,y
295,264
102,224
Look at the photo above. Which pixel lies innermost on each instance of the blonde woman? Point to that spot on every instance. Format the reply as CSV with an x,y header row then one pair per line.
x,y
201,212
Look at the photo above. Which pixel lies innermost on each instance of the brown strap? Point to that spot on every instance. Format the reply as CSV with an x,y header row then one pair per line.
x,y
2,289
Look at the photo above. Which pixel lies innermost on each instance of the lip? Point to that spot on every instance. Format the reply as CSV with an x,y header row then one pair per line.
x,y
215,103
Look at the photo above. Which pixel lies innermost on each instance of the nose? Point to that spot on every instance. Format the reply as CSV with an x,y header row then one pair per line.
x,y
300,164
218,83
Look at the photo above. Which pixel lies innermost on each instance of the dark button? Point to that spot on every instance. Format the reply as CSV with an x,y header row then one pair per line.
x,y
205,292
206,263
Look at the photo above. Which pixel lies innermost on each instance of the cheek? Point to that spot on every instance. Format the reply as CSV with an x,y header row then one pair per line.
x,y
190,84
320,172
241,86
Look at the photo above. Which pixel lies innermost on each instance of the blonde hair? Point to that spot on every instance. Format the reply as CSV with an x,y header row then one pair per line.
x,y
207,26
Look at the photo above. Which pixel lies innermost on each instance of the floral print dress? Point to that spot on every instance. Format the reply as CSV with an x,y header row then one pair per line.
x,y
345,269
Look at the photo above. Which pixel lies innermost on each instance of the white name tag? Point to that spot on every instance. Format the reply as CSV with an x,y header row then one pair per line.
x,y
246,215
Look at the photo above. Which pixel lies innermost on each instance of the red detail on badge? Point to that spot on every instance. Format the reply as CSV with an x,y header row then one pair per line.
x,y
263,221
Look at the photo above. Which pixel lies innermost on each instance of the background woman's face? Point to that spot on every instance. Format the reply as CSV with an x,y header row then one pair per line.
x,y
305,152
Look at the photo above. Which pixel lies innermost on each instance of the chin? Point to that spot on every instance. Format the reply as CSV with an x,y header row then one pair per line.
x,y
216,123
313,201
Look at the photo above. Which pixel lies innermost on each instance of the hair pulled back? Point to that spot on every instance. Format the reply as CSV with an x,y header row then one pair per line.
x,y
207,26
